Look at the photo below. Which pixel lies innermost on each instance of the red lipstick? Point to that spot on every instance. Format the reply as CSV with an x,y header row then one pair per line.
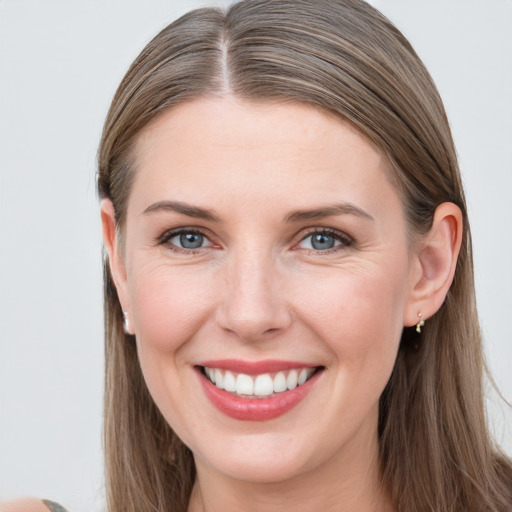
x,y
252,408
256,367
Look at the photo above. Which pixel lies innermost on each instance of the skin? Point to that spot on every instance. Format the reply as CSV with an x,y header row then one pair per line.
x,y
24,505
257,289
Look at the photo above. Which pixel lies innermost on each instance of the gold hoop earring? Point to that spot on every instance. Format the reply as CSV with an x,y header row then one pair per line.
x,y
420,323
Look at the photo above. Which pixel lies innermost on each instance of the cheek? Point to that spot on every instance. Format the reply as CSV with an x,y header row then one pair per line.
x,y
169,305
359,318
358,312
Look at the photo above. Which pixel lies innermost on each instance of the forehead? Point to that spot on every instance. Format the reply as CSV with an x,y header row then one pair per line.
x,y
229,121
207,148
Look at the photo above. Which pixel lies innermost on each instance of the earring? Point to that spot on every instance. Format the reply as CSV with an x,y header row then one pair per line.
x,y
126,323
420,323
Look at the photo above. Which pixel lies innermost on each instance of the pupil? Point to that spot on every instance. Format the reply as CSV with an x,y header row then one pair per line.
x,y
191,240
321,241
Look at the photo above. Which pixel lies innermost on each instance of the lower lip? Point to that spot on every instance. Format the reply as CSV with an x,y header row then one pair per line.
x,y
256,409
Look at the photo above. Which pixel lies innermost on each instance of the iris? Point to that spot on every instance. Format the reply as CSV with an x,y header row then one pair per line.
x,y
321,241
191,240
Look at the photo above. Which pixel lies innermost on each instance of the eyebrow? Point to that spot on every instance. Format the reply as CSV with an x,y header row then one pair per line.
x,y
327,211
183,209
295,216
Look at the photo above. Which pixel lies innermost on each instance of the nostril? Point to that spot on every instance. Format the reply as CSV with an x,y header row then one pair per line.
x,y
251,304
259,325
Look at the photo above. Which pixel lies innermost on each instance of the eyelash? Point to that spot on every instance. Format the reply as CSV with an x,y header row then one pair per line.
x,y
169,235
345,240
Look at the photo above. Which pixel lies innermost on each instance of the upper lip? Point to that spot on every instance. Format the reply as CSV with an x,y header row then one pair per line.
x,y
255,367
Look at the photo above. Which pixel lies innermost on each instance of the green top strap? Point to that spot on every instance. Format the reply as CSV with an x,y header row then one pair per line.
x,y
54,507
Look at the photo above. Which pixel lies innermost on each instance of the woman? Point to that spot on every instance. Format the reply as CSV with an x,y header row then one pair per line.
x,y
290,314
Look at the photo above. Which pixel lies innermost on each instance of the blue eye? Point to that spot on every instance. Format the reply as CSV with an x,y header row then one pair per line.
x,y
320,242
189,240
324,240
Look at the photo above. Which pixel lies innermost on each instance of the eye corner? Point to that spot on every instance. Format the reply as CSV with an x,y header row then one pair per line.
x,y
327,240
186,240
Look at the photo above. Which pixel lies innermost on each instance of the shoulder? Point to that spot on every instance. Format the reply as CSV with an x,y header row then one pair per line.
x,y
31,505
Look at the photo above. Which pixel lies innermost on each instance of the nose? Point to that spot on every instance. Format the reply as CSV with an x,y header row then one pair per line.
x,y
253,302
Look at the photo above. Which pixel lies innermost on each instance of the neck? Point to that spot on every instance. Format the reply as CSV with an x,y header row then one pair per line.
x,y
347,482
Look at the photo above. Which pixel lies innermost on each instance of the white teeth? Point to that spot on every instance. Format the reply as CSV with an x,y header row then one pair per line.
x,y
219,381
291,380
279,383
229,382
303,375
244,385
260,385
264,385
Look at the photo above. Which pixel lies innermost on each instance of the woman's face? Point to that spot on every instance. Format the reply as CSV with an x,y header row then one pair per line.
x,y
266,243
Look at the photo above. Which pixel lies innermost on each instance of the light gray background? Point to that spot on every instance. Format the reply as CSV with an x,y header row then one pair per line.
x,y
60,62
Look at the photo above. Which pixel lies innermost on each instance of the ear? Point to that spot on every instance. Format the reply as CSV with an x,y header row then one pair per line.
x,y
115,258
434,266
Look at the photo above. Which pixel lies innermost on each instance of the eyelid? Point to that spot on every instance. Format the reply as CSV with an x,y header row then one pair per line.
x,y
344,239
166,236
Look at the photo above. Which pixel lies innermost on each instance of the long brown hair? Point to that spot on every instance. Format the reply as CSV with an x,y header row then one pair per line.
x,y
344,57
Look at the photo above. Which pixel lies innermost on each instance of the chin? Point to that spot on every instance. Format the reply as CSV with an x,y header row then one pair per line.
x,y
265,458
262,472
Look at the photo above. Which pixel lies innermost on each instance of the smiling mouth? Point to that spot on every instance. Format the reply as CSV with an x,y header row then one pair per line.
x,y
260,386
